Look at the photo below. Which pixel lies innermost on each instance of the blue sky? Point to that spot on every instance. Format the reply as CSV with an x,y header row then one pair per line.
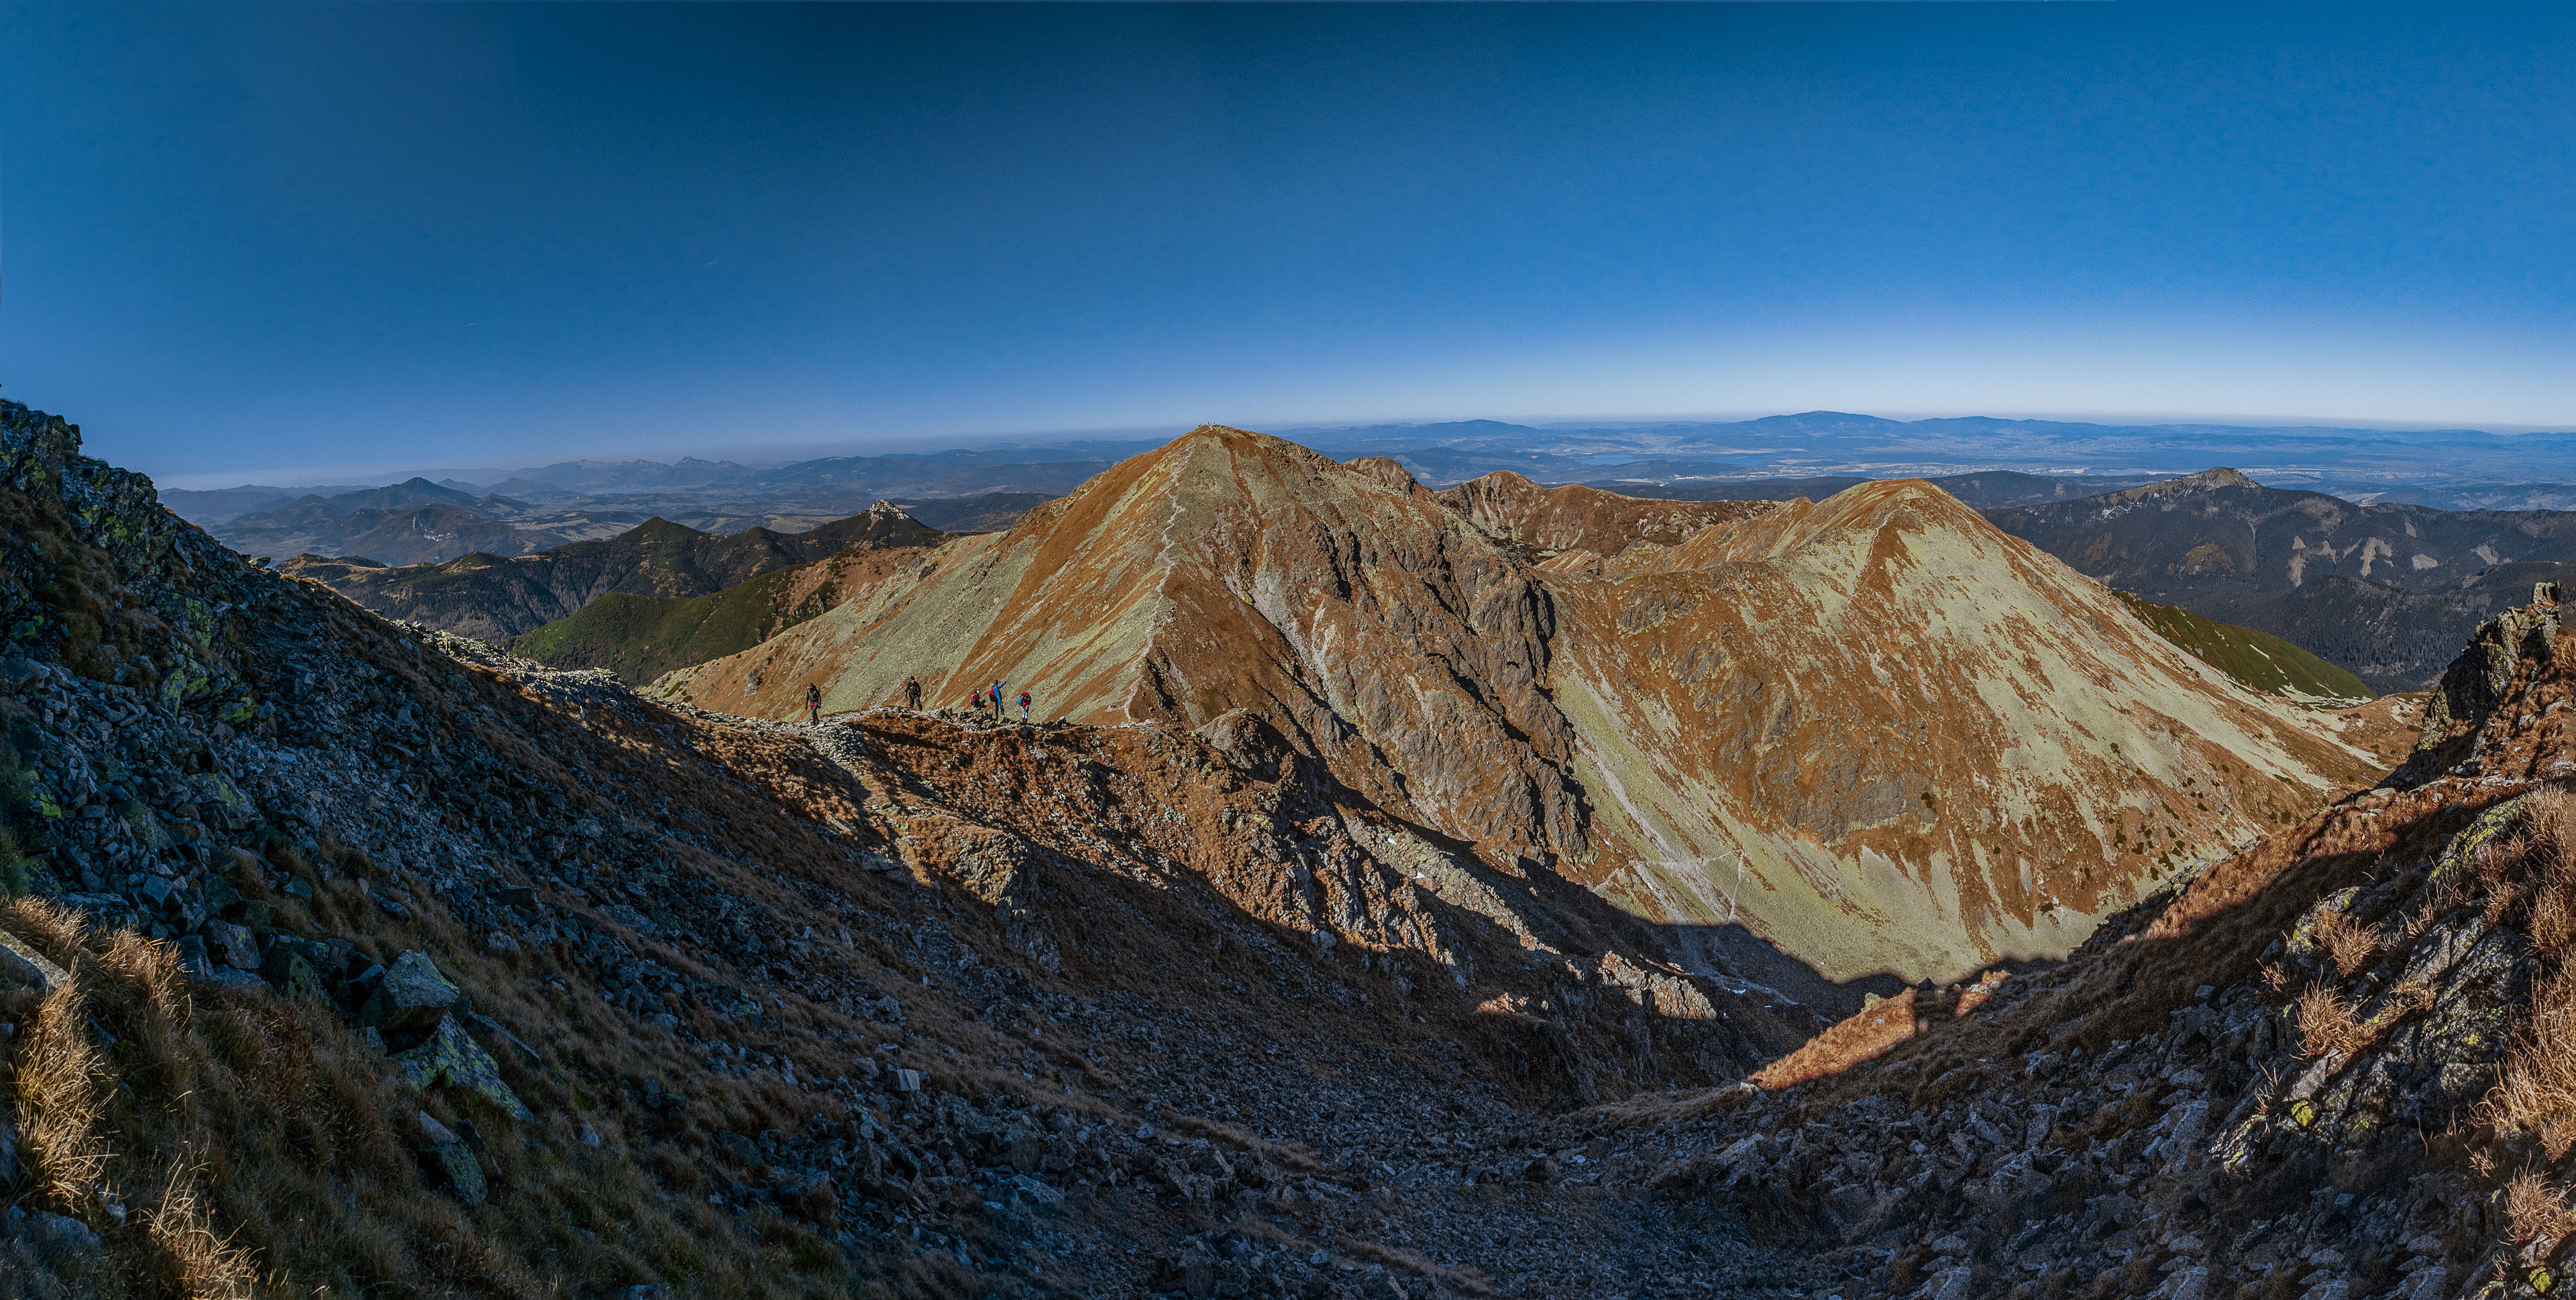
x,y
253,242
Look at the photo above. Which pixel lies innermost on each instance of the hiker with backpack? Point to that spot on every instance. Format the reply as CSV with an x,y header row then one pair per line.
x,y
814,704
912,693
1024,706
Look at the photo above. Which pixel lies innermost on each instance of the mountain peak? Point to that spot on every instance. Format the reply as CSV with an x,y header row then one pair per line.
x,y
661,530
2218,477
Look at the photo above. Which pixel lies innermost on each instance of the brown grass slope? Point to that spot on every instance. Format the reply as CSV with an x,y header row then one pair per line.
x,y
1926,745
2335,1062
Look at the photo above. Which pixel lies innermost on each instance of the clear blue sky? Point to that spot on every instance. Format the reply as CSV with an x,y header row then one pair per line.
x,y
263,242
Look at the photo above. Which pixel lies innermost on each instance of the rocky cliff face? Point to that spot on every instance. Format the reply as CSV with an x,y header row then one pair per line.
x,y
490,597
1868,709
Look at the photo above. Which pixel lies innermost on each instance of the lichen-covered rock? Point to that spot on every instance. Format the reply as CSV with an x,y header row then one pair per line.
x,y
452,1059
452,1165
411,997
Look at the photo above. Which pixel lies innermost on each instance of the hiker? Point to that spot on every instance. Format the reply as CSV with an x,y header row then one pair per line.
x,y
814,704
1024,706
912,694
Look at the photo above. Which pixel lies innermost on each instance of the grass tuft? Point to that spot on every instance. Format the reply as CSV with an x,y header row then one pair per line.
x,y
2536,1091
2539,1212
2325,1022
2348,943
62,1088
202,1264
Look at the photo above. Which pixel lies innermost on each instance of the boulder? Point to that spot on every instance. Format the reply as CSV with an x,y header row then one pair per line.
x,y
292,972
59,1235
1248,743
452,1058
28,966
231,945
451,1166
412,997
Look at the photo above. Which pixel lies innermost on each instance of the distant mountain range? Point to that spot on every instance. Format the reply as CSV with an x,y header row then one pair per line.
x,y
2446,468
493,598
421,522
2387,591
2359,462
1988,491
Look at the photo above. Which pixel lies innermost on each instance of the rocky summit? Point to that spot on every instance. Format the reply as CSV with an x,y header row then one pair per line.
x,y
342,956
1875,731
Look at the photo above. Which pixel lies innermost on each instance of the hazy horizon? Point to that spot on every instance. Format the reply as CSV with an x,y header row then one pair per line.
x,y
758,457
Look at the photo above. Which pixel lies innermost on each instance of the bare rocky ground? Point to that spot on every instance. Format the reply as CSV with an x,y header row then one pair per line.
x,y
362,960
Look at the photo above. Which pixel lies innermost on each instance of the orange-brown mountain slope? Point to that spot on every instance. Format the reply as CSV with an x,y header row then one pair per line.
x,y
1926,744
1929,744
1376,628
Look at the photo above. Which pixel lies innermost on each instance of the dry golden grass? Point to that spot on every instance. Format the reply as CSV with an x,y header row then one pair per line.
x,y
2414,995
2552,924
2535,1092
202,1264
2493,868
2325,1023
296,1177
61,1086
1863,1036
49,926
2549,848
2539,1212
2549,819
2347,942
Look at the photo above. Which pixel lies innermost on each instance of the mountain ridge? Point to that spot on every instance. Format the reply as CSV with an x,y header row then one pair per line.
x,y
1231,570
496,598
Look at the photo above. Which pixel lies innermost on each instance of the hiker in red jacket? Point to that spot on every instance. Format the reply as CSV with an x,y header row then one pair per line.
x,y
1024,706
